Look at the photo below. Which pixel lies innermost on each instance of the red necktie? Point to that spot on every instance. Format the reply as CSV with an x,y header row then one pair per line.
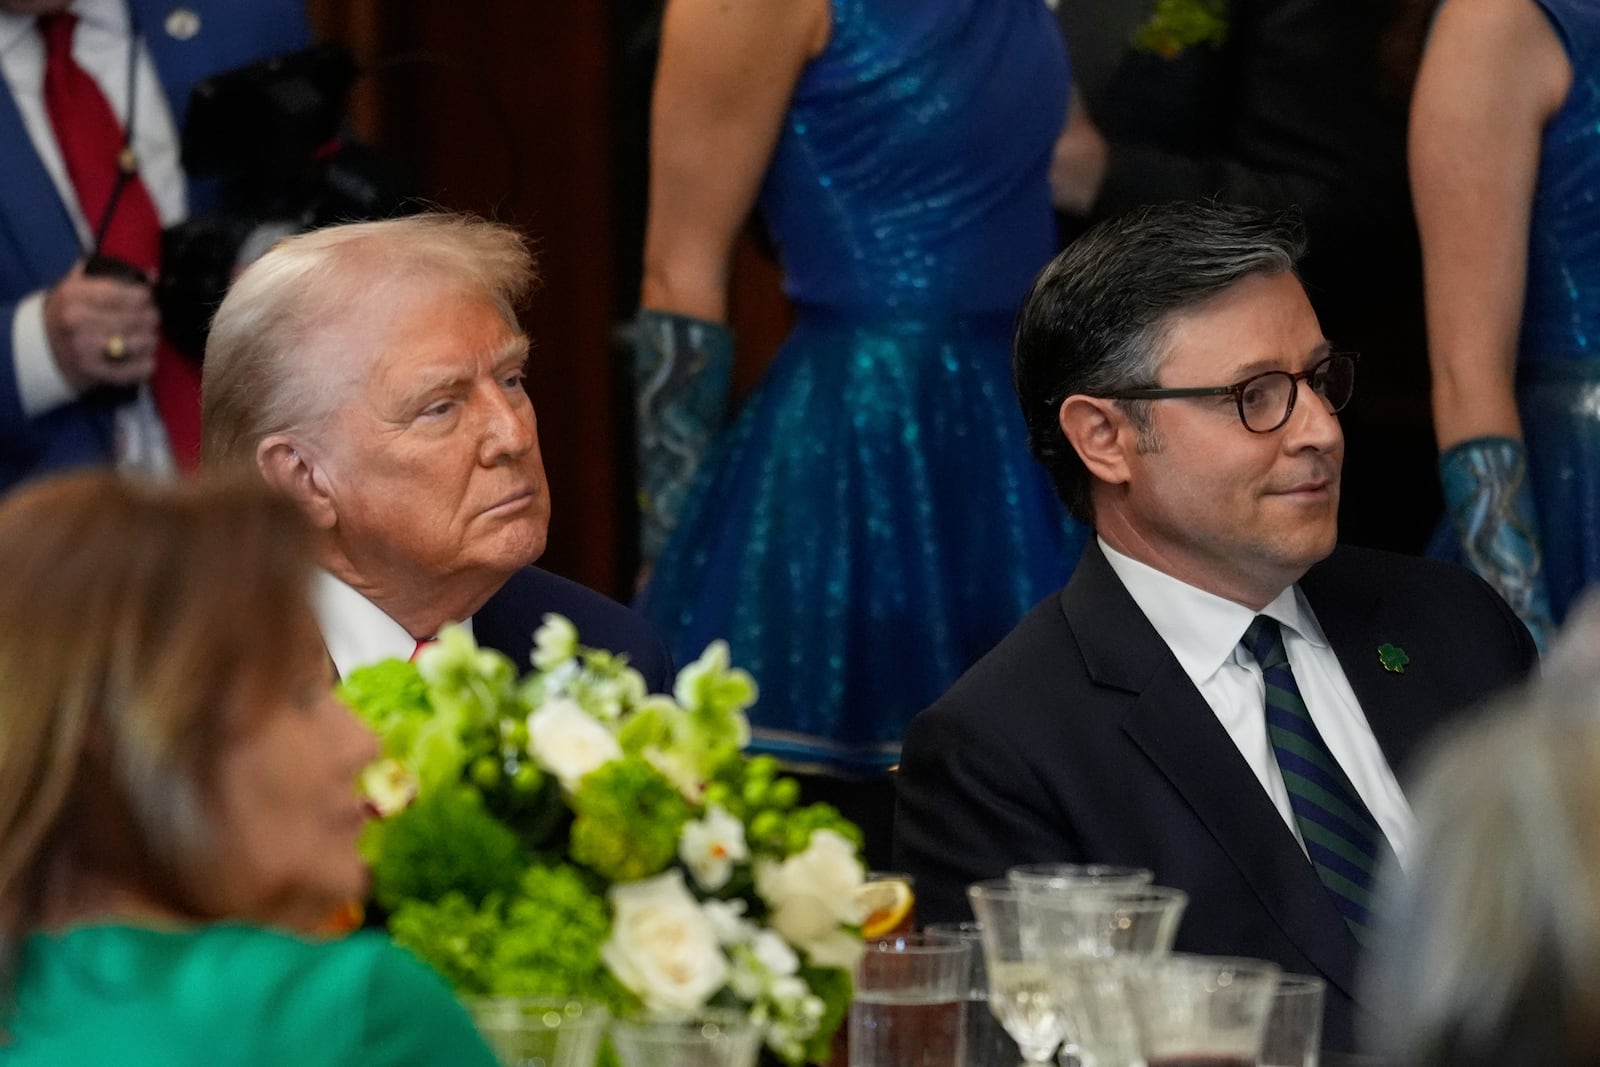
x,y
91,142
425,643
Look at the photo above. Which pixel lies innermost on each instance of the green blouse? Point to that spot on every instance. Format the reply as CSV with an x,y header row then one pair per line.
x,y
128,996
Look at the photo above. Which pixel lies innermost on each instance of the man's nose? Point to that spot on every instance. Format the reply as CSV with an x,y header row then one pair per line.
x,y
1311,424
509,428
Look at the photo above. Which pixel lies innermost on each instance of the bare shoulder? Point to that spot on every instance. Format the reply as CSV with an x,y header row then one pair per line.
x,y
778,25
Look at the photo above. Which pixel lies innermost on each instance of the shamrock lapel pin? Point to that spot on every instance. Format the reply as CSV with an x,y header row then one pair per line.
x,y
1393,658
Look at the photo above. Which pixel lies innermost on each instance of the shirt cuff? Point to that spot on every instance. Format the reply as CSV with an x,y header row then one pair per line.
x,y
40,384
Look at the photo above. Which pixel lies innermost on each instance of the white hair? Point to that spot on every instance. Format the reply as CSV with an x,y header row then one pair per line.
x,y
260,376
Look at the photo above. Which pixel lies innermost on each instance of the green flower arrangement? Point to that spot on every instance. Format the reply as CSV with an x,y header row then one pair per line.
x,y
568,833
1177,25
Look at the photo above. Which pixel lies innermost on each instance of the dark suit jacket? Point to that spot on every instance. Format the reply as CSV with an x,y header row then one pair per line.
x,y
38,244
1079,738
507,622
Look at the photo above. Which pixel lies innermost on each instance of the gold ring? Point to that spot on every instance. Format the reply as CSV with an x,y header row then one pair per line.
x,y
116,348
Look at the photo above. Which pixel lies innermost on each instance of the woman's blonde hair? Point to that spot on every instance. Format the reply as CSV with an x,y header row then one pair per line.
x,y
135,621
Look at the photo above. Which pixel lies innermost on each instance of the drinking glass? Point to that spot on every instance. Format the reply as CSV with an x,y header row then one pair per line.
x,y
708,1038
539,1031
1088,939
1201,1011
1020,994
988,1043
1046,876
910,1003
1294,1025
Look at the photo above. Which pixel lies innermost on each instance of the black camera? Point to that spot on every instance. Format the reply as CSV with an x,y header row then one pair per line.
x,y
270,135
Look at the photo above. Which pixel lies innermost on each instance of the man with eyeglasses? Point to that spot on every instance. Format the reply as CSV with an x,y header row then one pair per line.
x,y
1220,694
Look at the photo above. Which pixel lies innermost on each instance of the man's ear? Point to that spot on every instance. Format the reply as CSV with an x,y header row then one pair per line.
x,y
1099,431
287,468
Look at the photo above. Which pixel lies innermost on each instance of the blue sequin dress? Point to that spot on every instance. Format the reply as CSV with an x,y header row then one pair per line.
x,y
872,523
1558,374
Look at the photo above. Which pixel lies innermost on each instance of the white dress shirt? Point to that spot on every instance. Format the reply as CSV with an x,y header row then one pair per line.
x,y
355,630
1203,631
101,47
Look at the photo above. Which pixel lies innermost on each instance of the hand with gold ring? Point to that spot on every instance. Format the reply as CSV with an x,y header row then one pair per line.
x,y
102,330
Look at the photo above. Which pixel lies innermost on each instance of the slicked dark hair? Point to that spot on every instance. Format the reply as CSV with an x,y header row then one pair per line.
x,y
1097,316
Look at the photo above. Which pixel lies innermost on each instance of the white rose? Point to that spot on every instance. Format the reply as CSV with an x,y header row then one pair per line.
x,y
710,847
812,894
568,742
662,946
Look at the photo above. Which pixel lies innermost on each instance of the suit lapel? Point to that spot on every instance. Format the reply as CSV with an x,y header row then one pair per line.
x,y
1174,727
40,228
1401,707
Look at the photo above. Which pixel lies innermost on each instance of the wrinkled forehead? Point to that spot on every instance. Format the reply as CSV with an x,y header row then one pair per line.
x,y
391,328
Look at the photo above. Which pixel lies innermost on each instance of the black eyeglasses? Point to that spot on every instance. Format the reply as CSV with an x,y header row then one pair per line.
x,y
1266,400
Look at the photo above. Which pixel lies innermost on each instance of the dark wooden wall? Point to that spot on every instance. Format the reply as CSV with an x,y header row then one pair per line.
x,y
532,112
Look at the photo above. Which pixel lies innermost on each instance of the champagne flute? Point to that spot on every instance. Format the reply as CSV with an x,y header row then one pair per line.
x,y
1020,992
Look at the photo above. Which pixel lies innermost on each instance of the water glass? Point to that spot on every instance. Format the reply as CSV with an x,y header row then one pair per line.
x,y
910,1003
539,1031
1088,938
1202,1011
1020,992
1047,876
708,1038
988,1043
1294,1025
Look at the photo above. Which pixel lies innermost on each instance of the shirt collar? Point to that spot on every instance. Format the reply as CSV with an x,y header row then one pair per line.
x,y
108,16
355,630
1201,628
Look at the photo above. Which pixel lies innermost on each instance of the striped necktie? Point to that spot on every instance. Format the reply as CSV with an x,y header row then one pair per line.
x,y
1342,839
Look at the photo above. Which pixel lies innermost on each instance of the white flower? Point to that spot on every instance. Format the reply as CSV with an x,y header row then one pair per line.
x,y
554,643
389,786
727,919
662,946
774,953
568,742
711,846
812,894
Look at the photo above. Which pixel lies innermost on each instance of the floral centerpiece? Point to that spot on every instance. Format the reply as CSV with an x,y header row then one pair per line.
x,y
568,833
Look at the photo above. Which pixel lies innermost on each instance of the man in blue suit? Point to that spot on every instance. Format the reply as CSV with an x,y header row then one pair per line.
x,y
66,336
372,372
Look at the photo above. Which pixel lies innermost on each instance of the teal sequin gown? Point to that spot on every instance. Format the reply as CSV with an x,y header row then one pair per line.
x,y
1558,374
1558,361
873,523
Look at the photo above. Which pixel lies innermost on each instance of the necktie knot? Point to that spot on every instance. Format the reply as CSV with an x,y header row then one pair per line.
x,y
57,30
1263,639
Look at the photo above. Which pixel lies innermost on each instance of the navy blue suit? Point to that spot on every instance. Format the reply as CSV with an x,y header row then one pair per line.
x,y
506,623
38,244
1079,738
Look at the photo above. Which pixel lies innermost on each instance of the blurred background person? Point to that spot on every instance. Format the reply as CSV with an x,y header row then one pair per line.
x,y
372,372
1489,952
178,795
871,523
1505,155
1279,104
91,124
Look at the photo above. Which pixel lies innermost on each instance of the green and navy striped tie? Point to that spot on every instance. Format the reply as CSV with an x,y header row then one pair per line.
x,y
1342,839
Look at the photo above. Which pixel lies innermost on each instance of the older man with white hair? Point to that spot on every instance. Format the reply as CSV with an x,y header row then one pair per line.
x,y
373,373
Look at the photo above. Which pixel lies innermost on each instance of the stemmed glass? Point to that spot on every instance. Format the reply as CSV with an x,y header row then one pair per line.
x,y
1089,940
1055,879
1020,992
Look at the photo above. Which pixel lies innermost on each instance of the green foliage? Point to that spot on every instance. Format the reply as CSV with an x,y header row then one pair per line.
x,y
834,986
628,820
444,843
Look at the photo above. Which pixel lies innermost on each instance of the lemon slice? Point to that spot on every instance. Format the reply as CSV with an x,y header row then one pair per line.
x,y
886,902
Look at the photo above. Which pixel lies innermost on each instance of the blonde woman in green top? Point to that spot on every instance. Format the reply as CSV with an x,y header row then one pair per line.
x,y
178,800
